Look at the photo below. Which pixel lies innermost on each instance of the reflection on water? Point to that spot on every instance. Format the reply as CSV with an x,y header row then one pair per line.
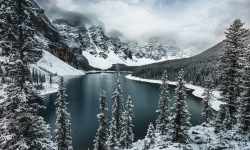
x,y
83,95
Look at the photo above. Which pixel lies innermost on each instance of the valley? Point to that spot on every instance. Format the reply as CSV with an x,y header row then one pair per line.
x,y
134,75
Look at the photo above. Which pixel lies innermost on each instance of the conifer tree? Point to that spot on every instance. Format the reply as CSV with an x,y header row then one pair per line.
x,y
127,136
207,111
244,109
117,112
180,124
227,122
163,106
221,115
102,132
112,139
17,36
21,127
229,66
63,125
150,137
20,122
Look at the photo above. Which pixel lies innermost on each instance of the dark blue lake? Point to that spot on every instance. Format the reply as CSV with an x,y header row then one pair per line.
x,y
83,96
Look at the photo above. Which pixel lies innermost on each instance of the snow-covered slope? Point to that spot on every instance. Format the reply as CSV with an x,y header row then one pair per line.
x,y
52,64
102,51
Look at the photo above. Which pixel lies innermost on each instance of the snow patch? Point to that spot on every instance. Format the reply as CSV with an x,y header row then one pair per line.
x,y
201,137
101,63
54,65
49,88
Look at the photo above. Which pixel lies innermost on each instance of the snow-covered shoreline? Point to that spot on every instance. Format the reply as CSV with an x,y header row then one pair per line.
x,y
49,88
104,71
197,90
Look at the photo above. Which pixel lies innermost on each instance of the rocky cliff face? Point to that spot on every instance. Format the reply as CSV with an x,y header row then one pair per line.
x,y
92,39
55,43
72,42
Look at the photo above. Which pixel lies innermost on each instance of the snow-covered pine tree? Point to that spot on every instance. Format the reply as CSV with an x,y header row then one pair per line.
x,y
229,67
63,125
112,139
244,110
207,112
163,106
20,122
227,122
221,115
117,111
102,132
180,124
150,137
21,127
17,38
127,136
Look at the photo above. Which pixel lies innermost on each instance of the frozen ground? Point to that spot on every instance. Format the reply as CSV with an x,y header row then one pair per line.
x,y
201,137
198,91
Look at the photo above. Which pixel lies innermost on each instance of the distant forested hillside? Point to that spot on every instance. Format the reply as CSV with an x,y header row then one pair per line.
x,y
196,68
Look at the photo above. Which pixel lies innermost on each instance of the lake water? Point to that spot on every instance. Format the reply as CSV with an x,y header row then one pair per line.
x,y
83,96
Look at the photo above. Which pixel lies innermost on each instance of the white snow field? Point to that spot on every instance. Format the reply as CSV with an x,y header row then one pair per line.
x,y
54,65
101,63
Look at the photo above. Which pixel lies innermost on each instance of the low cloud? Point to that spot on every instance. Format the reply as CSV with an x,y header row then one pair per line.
x,y
188,22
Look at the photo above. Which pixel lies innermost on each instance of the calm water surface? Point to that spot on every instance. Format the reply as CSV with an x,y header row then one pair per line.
x,y
83,95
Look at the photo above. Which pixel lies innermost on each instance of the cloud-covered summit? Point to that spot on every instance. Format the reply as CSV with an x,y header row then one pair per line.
x,y
189,22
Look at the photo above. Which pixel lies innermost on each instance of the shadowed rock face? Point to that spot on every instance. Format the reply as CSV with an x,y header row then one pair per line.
x,y
92,39
56,43
95,41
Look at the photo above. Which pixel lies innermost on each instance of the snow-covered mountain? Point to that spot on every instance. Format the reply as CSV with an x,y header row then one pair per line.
x,y
156,49
102,51
91,48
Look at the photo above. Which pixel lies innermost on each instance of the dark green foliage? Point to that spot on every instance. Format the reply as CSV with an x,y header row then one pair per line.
x,y
21,122
207,112
150,137
21,127
63,125
221,115
196,68
117,116
17,39
180,124
127,136
229,66
102,132
163,106
244,109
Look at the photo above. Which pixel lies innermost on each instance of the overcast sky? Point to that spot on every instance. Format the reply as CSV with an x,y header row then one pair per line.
x,y
189,22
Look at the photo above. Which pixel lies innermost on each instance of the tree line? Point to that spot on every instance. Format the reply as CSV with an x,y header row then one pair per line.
x,y
196,68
